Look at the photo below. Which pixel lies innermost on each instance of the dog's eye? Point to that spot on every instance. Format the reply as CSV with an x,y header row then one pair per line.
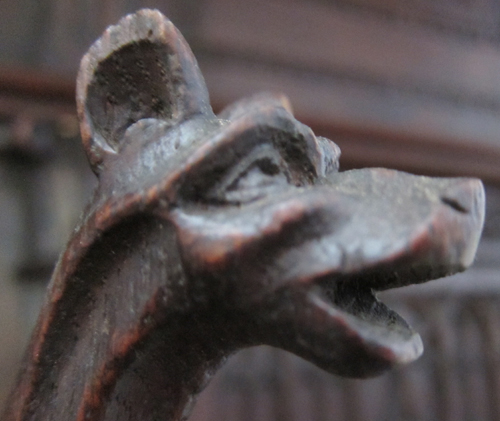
x,y
261,173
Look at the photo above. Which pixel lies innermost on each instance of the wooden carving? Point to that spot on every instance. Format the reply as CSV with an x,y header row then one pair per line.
x,y
208,234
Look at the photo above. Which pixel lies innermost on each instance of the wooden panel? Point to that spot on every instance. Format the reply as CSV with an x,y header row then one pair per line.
x,y
358,46
21,82
471,18
35,95
22,31
54,34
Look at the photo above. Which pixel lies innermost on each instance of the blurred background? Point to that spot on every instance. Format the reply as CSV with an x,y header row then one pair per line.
x,y
406,84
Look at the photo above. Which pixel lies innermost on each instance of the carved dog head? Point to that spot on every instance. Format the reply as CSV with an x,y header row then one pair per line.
x,y
252,221
264,220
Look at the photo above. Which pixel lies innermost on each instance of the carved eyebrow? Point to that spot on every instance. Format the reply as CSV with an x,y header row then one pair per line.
x,y
211,162
240,168
211,159
270,164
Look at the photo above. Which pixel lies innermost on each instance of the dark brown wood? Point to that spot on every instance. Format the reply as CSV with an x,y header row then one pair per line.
x,y
352,67
21,82
469,19
332,40
208,234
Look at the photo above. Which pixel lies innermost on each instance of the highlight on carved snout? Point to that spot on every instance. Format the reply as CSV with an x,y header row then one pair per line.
x,y
466,198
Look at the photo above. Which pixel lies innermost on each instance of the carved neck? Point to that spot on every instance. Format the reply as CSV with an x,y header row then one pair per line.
x,y
125,340
165,373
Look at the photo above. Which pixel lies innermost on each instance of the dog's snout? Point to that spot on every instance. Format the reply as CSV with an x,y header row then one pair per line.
x,y
464,195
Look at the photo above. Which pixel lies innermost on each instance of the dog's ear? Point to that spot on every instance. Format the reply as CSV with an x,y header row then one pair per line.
x,y
140,68
260,101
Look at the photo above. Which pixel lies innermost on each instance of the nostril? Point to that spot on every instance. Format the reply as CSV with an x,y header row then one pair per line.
x,y
463,195
454,204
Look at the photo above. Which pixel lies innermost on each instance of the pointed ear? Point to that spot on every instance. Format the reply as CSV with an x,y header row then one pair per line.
x,y
258,101
140,68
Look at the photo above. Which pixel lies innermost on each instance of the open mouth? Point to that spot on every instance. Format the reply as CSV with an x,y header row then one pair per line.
x,y
360,301
350,304
356,294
